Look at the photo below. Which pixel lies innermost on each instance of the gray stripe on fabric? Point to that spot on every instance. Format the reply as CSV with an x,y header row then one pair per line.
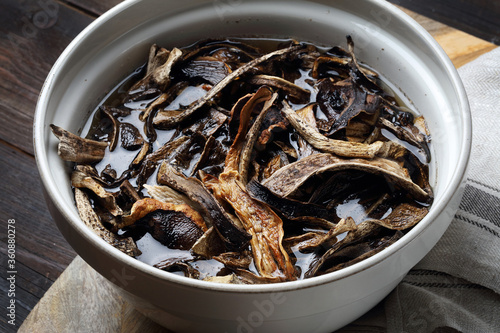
x,y
445,285
477,224
475,200
483,185
426,272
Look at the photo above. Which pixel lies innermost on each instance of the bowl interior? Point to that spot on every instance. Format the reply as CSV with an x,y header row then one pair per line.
x,y
385,39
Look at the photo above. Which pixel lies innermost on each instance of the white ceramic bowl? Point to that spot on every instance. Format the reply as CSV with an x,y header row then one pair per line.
x,y
386,39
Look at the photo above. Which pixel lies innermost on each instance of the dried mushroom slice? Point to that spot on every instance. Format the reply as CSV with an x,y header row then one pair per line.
x,y
403,216
143,207
260,221
164,99
151,161
417,140
167,122
293,91
206,68
130,137
293,209
179,266
289,178
172,228
258,102
249,277
339,62
252,136
209,245
108,200
159,75
231,53
274,123
307,115
353,237
275,163
141,155
228,279
342,101
115,133
215,215
91,219
303,239
207,125
359,76
234,260
167,194
129,191
175,226
358,252
344,225
339,147
324,64
73,148
157,57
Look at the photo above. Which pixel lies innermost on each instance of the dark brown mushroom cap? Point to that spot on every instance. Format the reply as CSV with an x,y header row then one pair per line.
x,y
130,137
174,229
343,101
234,236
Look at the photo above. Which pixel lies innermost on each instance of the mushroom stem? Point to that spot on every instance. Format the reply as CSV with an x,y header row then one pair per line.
x,y
337,147
169,121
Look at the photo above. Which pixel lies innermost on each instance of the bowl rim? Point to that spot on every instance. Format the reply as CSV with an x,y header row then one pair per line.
x,y
40,149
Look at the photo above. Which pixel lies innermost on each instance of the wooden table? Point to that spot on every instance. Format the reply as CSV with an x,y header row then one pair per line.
x,y
33,34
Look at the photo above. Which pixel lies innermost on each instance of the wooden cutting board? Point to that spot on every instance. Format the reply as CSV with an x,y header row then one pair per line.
x,y
81,300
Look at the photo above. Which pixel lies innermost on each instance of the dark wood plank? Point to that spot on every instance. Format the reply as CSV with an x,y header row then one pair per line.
x,y
32,36
480,18
461,47
41,252
477,17
95,7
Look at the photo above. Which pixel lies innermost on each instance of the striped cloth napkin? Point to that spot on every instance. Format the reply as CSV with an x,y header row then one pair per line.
x,y
456,287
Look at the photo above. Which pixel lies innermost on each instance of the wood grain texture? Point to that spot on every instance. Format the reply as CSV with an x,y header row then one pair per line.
x,y
41,252
461,47
33,35
480,18
93,7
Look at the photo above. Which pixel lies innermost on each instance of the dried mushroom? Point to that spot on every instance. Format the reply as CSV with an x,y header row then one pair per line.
x,y
225,163
90,218
73,148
